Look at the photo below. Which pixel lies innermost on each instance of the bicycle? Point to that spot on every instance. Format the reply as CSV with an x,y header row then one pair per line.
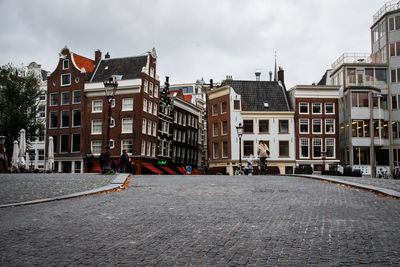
x,y
239,170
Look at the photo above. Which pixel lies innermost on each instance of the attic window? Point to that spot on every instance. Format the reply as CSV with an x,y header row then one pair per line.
x,y
266,105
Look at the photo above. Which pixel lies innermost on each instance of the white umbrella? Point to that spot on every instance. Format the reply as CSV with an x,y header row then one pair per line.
x,y
22,148
14,159
50,155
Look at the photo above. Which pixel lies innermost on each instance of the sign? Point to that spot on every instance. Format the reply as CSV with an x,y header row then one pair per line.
x,y
161,162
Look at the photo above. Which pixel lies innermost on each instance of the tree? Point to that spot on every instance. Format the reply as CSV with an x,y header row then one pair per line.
x,y
19,93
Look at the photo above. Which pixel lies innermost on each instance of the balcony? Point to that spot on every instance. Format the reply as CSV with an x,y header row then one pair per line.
x,y
351,58
388,6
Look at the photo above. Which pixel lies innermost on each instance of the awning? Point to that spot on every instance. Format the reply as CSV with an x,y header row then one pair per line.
x,y
182,170
169,170
195,171
152,169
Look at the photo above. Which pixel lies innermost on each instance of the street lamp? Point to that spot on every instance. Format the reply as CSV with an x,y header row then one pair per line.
x,y
110,88
323,153
239,130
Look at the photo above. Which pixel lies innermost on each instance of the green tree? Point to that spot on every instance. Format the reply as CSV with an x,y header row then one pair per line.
x,y
19,92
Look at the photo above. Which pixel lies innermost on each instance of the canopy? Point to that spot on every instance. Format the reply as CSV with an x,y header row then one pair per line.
x,y
22,148
14,158
50,155
152,169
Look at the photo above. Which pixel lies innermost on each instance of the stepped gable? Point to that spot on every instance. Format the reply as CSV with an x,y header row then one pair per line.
x,y
255,93
128,68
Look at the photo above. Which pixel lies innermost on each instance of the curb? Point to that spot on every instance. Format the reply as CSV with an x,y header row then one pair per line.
x,y
118,183
375,189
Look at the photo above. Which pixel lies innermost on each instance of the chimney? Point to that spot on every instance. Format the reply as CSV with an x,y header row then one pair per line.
x,y
211,84
107,56
258,74
97,57
281,75
270,76
228,77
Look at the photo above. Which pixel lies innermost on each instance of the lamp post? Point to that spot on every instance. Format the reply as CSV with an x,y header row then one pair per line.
x,y
239,130
110,88
323,153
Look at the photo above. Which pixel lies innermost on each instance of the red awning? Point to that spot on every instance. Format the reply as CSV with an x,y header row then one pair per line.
x,y
169,170
152,168
182,170
195,171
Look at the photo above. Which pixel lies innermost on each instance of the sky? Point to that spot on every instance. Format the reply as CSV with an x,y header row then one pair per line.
x,y
206,39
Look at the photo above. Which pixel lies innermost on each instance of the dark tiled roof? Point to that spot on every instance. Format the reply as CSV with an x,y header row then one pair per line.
x,y
128,67
255,93
44,75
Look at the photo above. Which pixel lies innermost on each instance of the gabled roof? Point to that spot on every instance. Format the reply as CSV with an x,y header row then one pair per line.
x,y
83,62
127,67
255,93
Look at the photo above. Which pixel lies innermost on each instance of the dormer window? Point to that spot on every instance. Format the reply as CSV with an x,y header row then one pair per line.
x,y
65,64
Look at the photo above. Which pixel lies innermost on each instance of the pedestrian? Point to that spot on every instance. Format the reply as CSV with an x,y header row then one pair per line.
x,y
89,161
114,166
124,161
102,159
263,153
133,167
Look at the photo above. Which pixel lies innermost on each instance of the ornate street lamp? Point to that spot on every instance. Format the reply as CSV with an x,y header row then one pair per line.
x,y
110,88
239,130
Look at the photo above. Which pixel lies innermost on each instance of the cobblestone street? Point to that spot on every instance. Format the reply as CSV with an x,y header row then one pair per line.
x,y
207,220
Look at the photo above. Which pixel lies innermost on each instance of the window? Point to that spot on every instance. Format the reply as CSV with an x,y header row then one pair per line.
x,y
380,77
42,111
76,118
53,99
76,142
263,126
391,24
223,107
184,120
156,91
65,79
215,109
304,126
359,99
96,147
360,128
316,108
154,128
148,149
351,76
53,119
64,143
248,126
175,116
143,149
215,150
127,144
283,126
155,109
150,109
146,86
215,129
248,148
127,104
153,150
40,154
224,127
76,97
97,106
144,104
42,96
329,108
127,125
303,108
65,64
152,72
64,98
394,102
329,126
330,147
65,119
151,89
397,22
96,126
304,148
317,123
283,148
149,124
236,104
317,147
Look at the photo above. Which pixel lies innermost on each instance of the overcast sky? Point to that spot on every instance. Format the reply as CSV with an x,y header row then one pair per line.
x,y
193,39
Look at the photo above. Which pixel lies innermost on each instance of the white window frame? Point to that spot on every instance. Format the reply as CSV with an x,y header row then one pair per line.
x,y
58,120
314,141
153,150
62,121
314,123
73,121
127,125
65,84
51,104
63,65
144,104
316,104
155,106
148,149
151,89
143,149
62,98
301,122
127,104
333,144
97,106
149,127
144,126
96,144
304,142
304,104
156,91
73,96
146,86
175,117
332,123
333,108
154,128
150,109
72,143
97,125
184,119
125,144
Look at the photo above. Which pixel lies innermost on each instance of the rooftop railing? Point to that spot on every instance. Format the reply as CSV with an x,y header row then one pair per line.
x,y
351,58
388,6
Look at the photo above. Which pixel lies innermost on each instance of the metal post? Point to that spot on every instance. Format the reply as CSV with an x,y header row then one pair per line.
x,y
106,166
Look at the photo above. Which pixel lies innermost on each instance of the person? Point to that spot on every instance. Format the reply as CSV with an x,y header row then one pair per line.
x,y
102,159
124,161
89,161
188,170
133,167
262,152
113,166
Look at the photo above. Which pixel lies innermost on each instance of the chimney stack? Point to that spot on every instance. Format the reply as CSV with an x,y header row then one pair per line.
x,y
258,74
107,56
211,84
228,77
97,57
281,75
270,76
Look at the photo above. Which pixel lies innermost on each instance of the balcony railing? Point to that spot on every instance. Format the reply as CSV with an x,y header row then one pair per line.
x,y
352,58
388,6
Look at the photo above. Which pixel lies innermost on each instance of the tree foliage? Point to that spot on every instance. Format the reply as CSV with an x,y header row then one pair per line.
x,y
19,93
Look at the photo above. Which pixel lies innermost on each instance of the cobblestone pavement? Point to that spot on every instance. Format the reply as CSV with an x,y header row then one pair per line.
x,y
379,182
207,220
19,187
